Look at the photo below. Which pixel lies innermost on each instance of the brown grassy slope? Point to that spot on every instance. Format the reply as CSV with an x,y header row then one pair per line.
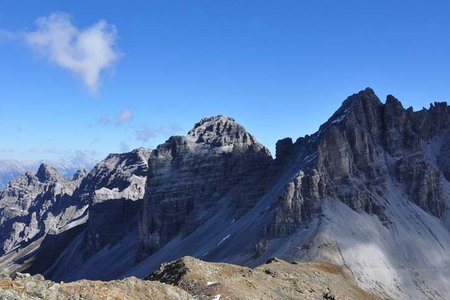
x,y
276,279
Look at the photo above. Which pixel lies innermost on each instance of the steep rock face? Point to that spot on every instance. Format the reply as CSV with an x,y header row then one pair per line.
x,y
117,176
113,192
113,189
298,203
377,159
188,175
34,205
353,154
40,215
423,182
443,157
340,160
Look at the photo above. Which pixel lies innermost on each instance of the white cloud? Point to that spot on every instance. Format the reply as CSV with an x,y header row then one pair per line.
x,y
104,120
124,147
84,52
145,133
124,116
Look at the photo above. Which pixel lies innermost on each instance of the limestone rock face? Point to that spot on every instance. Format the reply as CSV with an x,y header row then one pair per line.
x,y
112,193
284,148
298,203
117,176
188,175
114,187
353,153
443,157
424,184
34,205
40,214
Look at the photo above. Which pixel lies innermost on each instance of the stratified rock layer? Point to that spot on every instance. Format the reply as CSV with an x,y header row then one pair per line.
x,y
189,175
354,152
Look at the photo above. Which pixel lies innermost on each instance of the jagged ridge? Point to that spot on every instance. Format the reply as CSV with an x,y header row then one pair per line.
x,y
368,191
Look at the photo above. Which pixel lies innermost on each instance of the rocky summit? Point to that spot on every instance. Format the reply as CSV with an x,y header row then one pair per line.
x,y
188,176
365,197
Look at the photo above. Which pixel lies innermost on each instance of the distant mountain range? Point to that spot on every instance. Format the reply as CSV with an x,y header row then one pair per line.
x,y
369,192
12,169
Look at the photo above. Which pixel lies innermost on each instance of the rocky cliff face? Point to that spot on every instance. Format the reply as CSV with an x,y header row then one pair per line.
x,y
34,205
41,214
189,175
113,189
354,154
377,159
112,192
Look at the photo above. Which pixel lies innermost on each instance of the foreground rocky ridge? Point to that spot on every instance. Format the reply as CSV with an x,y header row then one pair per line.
x,y
190,278
369,192
276,279
26,287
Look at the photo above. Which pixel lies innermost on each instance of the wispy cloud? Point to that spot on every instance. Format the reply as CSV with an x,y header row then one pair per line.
x,y
104,120
6,35
146,133
6,150
69,155
124,116
84,52
124,147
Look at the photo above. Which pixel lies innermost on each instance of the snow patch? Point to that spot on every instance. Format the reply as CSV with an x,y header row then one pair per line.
x,y
338,120
223,240
341,117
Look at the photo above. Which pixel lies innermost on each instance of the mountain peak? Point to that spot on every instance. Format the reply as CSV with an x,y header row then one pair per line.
x,y
210,123
360,104
47,173
366,96
220,130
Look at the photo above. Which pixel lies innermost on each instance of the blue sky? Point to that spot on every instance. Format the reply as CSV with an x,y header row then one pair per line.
x,y
280,68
